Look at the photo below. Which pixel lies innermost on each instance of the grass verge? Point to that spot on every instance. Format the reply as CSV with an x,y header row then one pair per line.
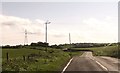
x,y
35,60
112,51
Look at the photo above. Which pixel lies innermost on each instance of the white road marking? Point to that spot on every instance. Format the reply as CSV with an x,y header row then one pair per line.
x,y
67,65
102,65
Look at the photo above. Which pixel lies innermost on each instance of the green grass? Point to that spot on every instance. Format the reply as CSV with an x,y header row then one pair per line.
x,y
52,60
15,53
111,51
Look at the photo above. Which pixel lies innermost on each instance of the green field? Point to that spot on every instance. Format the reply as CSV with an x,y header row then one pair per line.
x,y
15,53
52,60
111,51
40,60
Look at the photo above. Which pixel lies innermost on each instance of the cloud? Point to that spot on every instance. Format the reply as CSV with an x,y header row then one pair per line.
x,y
12,22
58,35
40,21
13,28
92,30
105,29
103,25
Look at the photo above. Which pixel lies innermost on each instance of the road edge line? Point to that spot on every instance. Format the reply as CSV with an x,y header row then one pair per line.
x,y
67,65
102,65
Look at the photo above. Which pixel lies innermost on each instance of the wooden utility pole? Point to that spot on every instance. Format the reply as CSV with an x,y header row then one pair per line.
x,y
46,33
70,40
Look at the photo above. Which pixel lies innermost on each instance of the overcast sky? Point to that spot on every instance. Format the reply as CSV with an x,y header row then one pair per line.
x,y
86,21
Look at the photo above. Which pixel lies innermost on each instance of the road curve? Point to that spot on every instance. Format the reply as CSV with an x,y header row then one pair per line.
x,y
87,63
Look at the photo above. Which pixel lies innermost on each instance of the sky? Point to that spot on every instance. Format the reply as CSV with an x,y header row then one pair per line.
x,y
95,22
59,0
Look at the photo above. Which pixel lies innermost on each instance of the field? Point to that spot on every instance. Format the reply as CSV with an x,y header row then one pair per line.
x,y
111,51
35,60
15,53
27,59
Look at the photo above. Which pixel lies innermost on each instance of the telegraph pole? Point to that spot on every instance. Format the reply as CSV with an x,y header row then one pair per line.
x,y
25,40
47,22
70,40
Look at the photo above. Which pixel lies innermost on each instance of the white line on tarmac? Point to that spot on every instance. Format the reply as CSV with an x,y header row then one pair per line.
x,y
67,65
102,65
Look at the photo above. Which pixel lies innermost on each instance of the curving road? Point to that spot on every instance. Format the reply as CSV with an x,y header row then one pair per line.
x,y
87,63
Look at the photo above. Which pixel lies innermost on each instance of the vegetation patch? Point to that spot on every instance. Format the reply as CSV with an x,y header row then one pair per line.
x,y
27,59
112,51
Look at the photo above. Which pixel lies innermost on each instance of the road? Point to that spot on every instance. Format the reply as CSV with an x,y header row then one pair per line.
x,y
87,63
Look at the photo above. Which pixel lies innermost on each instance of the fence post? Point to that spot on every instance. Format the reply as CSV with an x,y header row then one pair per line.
x,y
28,57
24,58
7,56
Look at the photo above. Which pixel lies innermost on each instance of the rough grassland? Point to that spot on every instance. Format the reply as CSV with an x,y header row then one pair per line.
x,y
111,51
52,60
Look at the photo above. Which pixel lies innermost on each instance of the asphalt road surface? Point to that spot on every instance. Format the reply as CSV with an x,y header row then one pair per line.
x,y
87,63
